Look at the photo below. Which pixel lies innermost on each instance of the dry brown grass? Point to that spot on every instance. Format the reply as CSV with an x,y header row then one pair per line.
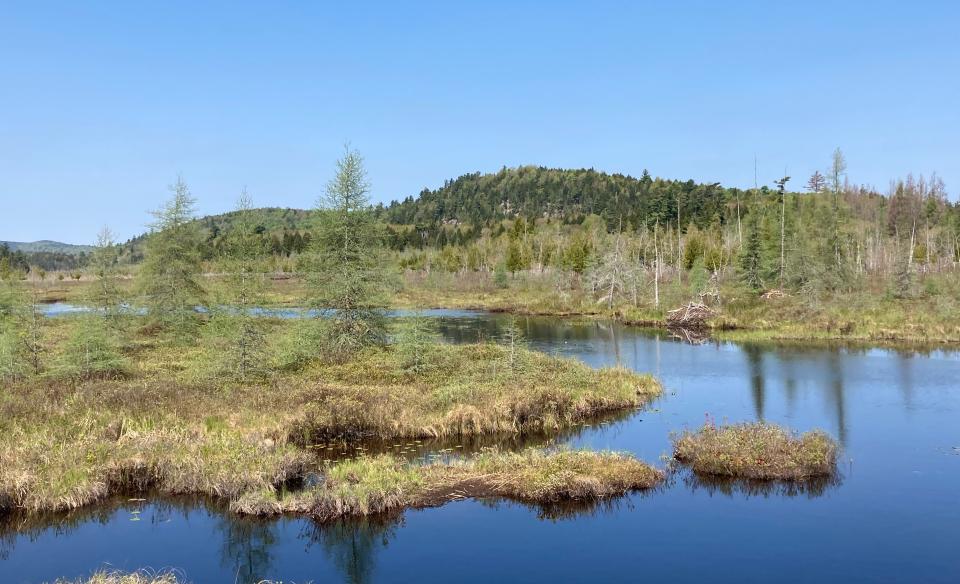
x,y
757,451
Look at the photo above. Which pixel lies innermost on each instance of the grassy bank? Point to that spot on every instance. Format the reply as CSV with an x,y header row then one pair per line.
x,y
172,426
868,314
756,451
385,483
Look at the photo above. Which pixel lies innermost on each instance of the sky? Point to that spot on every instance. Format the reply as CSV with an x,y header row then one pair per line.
x,y
104,104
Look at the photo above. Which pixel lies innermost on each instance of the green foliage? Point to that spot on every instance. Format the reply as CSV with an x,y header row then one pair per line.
x,y
348,274
169,279
698,277
13,362
576,256
750,258
513,339
416,339
516,259
235,336
105,294
500,279
92,350
298,344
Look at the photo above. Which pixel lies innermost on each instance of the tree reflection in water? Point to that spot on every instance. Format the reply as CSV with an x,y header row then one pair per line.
x,y
352,545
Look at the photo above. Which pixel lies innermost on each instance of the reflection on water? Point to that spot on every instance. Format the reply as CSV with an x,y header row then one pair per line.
x,y
892,511
716,485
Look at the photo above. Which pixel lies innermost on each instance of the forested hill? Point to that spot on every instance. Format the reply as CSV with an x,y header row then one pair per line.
x,y
47,246
533,191
286,231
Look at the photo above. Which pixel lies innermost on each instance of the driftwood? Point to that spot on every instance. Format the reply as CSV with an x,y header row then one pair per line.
x,y
693,316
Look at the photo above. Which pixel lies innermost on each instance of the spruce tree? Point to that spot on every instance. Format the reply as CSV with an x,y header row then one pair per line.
x,y
751,257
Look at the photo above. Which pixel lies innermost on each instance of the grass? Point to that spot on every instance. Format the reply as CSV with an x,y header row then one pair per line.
x,y
757,451
866,313
140,577
384,483
168,427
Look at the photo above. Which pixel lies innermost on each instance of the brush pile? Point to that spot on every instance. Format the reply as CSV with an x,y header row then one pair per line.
x,y
693,316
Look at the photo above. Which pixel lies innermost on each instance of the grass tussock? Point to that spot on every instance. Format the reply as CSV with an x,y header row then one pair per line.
x,y
757,451
139,577
467,390
380,484
58,471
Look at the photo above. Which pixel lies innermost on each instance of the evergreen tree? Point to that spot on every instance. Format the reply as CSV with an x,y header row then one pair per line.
x,y
348,275
751,257
169,278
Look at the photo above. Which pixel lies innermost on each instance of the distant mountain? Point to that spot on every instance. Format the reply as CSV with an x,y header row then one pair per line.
x,y
47,246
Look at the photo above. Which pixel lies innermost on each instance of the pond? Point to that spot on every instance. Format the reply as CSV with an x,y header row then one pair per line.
x,y
892,515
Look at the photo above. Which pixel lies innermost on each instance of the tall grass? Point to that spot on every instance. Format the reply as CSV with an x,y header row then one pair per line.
x,y
757,451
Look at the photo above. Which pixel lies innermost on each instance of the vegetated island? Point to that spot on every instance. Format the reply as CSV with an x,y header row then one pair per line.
x,y
757,451
168,426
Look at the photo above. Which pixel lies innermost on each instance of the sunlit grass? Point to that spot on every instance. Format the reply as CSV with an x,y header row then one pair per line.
x,y
757,451
379,484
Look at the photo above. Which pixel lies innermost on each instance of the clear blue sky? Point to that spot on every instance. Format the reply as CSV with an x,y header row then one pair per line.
x,y
103,104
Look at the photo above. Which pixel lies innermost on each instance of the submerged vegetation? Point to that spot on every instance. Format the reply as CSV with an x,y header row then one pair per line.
x,y
757,451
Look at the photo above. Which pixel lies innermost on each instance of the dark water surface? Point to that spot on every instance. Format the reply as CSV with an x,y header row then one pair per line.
x,y
892,516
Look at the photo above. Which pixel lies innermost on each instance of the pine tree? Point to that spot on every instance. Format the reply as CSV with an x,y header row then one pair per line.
x,y
347,278
169,278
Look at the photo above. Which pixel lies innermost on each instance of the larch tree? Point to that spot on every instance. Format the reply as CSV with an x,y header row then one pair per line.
x,y
235,333
348,276
169,279
105,293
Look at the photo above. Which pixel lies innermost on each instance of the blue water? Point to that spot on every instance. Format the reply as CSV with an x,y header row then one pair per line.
x,y
892,516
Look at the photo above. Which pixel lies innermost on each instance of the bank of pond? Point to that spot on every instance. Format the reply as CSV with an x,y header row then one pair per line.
x,y
329,463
